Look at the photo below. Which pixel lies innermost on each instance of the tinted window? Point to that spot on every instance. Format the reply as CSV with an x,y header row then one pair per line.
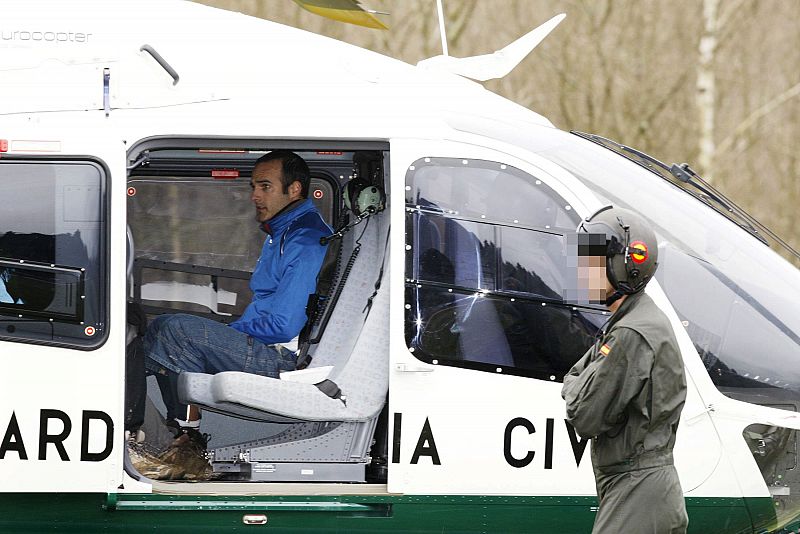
x,y
456,252
190,224
484,292
735,296
203,222
742,340
196,240
490,331
486,190
208,223
52,252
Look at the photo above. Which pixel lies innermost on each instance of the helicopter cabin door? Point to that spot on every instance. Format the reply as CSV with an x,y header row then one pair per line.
x,y
483,329
62,299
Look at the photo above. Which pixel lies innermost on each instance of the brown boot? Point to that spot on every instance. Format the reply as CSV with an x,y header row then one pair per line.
x,y
152,466
186,457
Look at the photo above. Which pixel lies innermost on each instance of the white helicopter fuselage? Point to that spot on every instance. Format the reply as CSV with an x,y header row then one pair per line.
x,y
473,443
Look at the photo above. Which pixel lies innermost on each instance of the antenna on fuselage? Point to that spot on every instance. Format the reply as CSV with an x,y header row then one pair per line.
x,y
442,31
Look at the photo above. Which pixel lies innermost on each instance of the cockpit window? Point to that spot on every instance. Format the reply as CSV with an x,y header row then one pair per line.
x,y
487,271
742,342
736,297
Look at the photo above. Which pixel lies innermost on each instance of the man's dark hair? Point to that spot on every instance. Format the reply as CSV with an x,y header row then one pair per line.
x,y
294,168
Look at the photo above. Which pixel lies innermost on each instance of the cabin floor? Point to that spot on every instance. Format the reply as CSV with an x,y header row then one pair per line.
x,y
221,431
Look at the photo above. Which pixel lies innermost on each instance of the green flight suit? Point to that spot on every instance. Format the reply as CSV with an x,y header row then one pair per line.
x,y
627,393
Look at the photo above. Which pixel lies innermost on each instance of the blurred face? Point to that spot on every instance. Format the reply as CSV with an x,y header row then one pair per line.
x,y
592,278
268,196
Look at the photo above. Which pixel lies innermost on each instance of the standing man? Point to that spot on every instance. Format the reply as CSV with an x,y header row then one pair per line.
x,y
628,390
264,339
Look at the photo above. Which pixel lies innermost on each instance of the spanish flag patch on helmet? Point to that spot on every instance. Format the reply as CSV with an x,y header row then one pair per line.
x,y
638,252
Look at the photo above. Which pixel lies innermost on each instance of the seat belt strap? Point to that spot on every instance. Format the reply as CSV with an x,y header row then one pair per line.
x,y
329,388
378,282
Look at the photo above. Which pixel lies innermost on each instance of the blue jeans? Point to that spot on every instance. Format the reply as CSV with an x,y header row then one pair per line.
x,y
181,342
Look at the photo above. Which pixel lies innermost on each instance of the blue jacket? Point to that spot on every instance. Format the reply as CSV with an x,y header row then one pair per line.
x,y
285,275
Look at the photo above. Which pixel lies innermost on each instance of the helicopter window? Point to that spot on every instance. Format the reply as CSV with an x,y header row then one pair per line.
x,y
775,451
485,294
52,252
736,297
489,191
191,219
459,253
185,258
491,332
730,329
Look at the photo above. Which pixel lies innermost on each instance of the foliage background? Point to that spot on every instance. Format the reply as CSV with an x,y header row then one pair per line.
x,y
715,83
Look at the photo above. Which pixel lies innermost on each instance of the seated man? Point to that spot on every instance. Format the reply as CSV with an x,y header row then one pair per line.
x,y
264,339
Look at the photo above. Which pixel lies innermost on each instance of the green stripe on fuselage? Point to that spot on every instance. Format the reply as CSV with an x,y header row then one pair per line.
x,y
85,513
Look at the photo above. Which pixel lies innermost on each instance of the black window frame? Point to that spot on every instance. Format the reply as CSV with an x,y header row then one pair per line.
x,y
104,283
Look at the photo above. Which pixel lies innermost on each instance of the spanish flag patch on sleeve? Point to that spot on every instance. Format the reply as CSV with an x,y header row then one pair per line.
x,y
605,350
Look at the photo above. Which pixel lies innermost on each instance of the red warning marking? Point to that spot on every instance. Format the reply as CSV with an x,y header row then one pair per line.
x,y
89,331
318,193
131,191
225,173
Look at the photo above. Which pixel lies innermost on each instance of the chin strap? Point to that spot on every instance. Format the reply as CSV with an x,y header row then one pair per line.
x,y
614,297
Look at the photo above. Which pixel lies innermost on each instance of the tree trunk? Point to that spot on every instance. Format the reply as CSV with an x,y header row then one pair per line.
x,y
706,89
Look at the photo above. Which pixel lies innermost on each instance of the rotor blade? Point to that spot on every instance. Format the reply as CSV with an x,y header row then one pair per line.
x,y
349,11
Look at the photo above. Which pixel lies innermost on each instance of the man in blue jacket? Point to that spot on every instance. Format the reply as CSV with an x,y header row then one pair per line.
x,y
264,339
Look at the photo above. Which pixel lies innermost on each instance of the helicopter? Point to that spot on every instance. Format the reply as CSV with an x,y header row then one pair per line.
x,y
430,398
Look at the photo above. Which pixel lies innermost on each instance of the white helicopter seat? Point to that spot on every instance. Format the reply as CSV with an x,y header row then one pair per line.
x,y
347,379
333,405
